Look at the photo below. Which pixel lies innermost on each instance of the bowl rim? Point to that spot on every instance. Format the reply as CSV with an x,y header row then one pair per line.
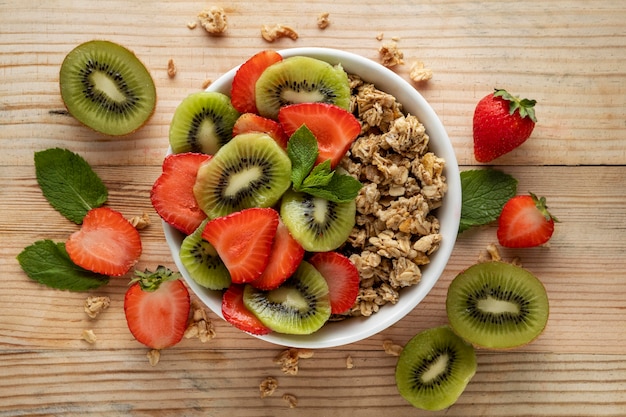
x,y
356,329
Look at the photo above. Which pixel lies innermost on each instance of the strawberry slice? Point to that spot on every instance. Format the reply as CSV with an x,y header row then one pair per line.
x,y
236,313
334,127
250,122
172,193
106,243
284,259
525,222
342,278
242,93
243,240
157,307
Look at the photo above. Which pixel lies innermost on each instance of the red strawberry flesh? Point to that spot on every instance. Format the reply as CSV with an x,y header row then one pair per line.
x,y
250,122
243,87
342,277
525,222
236,313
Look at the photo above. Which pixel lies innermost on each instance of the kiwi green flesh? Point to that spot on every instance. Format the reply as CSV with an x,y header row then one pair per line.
x,y
202,262
203,122
105,87
300,306
251,170
301,79
497,305
317,224
434,368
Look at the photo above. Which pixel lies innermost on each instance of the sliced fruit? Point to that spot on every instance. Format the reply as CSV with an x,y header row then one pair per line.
x,y
250,122
172,193
299,306
342,278
157,307
252,170
236,313
525,222
301,79
106,243
286,254
243,241
202,262
497,305
334,128
106,87
202,123
317,224
434,368
242,92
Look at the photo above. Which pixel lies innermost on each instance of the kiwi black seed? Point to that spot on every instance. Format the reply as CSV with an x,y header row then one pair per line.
x,y
301,79
497,305
317,224
105,87
252,170
301,305
203,122
202,262
434,368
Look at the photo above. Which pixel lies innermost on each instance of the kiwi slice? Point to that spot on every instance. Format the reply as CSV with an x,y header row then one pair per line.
x,y
317,224
203,122
434,368
301,305
497,305
202,262
105,87
301,79
251,170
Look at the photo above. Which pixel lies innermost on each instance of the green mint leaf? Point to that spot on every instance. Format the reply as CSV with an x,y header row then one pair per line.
x,y
68,183
302,150
484,193
341,189
48,263
320,175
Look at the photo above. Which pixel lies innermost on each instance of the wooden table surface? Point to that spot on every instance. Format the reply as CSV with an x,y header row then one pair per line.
x,y
569,55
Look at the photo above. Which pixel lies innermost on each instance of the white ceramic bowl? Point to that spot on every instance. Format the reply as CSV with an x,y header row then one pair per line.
x,y
356,329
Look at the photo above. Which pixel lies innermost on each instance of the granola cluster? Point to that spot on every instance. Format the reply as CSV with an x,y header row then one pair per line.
x,y
403,182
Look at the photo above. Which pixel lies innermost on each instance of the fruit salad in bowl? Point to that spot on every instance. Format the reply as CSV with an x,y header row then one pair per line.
x,y
310,197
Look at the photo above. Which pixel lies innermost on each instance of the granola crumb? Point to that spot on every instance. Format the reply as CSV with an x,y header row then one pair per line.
x,y
395,38
154,356
349,362
391,348
268,386
380,36
390,55
143,221
418,73
200,326
291,400
288,359
89,336
192,25
171,68
213,20
271,33
323,20
207,83
95,305
493,252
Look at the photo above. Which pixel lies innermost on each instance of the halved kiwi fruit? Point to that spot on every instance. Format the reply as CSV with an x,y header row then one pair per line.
x,y
202,262
301,79
301,305
434,368
317,224
105,87
203,122
497,305
251,170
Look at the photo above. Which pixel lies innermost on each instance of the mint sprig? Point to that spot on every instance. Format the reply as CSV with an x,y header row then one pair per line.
x,y
317,180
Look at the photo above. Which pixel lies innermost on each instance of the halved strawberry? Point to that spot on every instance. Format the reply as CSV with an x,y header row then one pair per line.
x,y
250,122
334,127
284,259
342,278
243,240
172,193
236,313
242,93
525,222
106,243
157,307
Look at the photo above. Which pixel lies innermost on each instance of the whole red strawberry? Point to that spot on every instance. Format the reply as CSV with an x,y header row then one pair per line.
x,y
525,222
502,122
